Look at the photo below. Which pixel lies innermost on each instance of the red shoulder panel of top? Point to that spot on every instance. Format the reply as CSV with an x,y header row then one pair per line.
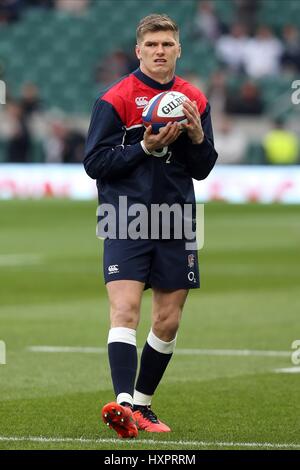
x,y
116,96
129,96
192,92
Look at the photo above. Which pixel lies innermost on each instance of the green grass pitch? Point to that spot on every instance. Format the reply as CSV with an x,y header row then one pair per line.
x,y
52,294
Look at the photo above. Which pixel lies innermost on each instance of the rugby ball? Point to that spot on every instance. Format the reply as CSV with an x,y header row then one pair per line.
x,y
163,108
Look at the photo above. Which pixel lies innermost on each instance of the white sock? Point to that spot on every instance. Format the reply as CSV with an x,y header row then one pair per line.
x,y
120,334
164,347
141,399
124,398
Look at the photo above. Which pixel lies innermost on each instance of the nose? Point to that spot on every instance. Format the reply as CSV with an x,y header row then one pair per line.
x,y
160,50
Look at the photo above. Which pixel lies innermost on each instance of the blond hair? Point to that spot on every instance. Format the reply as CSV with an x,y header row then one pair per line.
x,y
156,22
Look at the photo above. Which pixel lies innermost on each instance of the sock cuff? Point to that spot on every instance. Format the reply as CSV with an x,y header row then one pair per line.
x,y
121,334
125,398
159,345
141,399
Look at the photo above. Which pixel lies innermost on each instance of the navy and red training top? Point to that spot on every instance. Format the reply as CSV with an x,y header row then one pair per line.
x,y
114,155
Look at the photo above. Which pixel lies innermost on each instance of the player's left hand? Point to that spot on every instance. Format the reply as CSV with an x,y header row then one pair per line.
x,y
193,127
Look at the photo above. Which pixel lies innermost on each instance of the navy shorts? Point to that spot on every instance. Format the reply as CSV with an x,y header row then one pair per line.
x,y
165,264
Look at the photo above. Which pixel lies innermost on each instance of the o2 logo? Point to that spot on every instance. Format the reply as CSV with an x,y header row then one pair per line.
x,y
160,152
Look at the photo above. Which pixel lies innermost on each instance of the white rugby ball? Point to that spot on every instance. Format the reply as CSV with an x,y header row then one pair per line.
x,y
163,108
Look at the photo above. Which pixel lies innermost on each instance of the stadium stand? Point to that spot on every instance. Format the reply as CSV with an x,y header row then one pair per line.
x,y
58,51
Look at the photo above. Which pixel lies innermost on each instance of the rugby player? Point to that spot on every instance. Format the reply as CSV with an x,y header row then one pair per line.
x,y
147,168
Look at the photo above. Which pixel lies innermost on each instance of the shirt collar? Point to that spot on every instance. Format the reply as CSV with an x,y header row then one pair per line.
x,y
153,83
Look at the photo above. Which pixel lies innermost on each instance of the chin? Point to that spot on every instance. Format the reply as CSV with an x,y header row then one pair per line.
x,y
162,68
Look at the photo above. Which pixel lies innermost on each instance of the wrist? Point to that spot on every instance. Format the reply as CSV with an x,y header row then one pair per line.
x,y
198,140
145,148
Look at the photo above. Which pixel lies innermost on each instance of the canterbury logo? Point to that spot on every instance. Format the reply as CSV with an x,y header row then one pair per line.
x,y
113,269
141,101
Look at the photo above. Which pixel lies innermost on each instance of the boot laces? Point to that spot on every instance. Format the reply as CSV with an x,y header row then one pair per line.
x,y
149,414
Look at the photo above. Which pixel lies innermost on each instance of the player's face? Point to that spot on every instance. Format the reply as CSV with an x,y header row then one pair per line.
x,y
158,53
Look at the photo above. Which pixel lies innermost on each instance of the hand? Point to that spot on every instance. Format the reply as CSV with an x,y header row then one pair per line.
x,y
166,136
193,127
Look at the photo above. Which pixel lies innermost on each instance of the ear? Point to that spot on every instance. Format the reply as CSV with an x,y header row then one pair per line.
x,y
179,52
138,51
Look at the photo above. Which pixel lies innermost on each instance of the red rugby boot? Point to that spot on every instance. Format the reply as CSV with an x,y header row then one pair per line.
x,y
147,420
121,419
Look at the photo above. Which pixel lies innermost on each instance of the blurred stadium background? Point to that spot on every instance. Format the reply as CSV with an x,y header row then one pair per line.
x,y
55,56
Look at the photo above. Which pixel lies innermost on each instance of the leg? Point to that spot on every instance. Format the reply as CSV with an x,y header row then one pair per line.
x,y
167,311
157,352
125,299
166,315
126,265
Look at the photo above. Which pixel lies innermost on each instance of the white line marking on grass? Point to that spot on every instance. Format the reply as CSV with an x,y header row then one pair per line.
x,y
21,259
180,352
66,349
288,370
232,352
267,445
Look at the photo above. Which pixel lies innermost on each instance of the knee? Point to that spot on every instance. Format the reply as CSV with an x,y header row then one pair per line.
x,y
165,324
124,314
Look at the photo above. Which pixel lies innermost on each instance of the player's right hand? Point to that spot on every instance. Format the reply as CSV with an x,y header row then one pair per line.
x,y
166,136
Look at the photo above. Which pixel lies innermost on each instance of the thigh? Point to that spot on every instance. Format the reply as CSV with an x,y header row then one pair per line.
x,y
174,267
165,300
